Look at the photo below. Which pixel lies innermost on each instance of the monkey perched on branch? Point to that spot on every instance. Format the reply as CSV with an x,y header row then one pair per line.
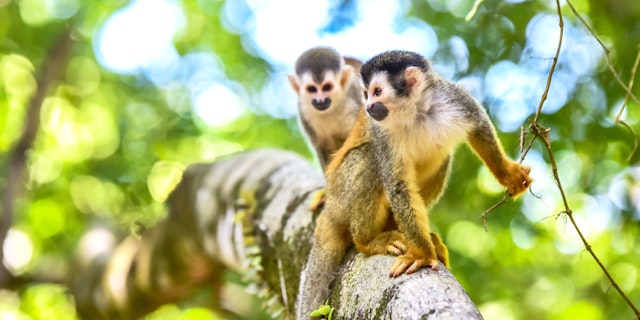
x,y
394,166
329,98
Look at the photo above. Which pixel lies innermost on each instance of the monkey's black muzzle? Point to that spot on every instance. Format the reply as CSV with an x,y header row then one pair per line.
x,y
321,104
377,111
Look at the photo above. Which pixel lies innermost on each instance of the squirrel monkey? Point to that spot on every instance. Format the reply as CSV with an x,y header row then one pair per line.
x,y
329,98
394,166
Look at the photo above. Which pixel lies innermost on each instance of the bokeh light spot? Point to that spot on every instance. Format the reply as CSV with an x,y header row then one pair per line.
x,y
17,75
163,178
39,12
83,74
217,105
469,239
46,217
48,301
18,250
43,168
135,35
91,195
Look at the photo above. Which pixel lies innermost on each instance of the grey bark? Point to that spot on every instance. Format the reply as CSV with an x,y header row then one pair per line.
x,y
250,213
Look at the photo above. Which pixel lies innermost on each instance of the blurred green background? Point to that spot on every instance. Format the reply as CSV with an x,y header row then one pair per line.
x,y
151,86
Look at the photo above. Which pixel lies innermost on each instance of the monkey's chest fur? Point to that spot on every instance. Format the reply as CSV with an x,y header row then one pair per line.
x,y
361,192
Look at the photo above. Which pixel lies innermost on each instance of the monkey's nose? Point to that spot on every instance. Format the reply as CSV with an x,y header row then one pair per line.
x,y
321,104
377,111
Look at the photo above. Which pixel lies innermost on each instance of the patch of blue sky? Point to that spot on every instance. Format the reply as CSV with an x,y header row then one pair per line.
x,y
137,39
279,31
452,58
136,35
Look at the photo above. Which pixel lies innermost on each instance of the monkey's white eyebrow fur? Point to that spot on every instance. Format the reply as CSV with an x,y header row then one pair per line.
x,y
380,79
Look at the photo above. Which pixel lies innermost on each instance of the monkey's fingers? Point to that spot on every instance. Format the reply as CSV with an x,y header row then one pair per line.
x,y
396,248
407,265
517,180
431,263
399,267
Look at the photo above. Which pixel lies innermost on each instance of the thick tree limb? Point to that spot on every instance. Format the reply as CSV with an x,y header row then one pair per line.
x,y
250,213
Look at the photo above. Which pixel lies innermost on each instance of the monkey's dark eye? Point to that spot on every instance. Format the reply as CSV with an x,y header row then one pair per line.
x,y
377,92
326,87
312,89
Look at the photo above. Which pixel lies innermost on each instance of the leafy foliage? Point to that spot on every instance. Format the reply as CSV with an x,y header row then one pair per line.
x,y
111,145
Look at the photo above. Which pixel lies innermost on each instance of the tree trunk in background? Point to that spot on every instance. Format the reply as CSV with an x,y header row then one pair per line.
x,y
16,163
250,213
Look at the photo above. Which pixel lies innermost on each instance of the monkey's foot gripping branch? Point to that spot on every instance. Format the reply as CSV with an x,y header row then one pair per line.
x,y
413,260
409,262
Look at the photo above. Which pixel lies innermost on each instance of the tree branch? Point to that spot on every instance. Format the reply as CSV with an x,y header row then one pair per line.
x,y
16,161
250,213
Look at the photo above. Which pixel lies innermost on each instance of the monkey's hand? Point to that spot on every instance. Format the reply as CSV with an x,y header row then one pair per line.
x,y
516,179
411,261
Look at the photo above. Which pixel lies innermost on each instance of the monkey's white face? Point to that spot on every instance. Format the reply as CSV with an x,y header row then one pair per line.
x,y
381,98
385,104
319,95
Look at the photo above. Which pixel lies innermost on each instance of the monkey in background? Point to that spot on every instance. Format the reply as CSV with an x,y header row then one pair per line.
x,y
329,98
394,166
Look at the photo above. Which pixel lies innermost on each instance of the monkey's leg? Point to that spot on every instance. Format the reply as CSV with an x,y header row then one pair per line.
x,y
329,246
409,213
411,217
441,250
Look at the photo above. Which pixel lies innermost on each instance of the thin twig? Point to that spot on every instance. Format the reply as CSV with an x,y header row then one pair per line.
x,y
486,212
606,53
553,66
629,95
635,140
540,131
631,80
535,120
473,10
569,213
624,104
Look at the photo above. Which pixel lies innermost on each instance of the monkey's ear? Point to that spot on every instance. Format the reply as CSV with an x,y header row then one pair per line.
x,y
414,78
293,81
347,71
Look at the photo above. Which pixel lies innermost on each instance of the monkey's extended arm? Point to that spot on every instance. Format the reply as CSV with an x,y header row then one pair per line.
x,y
485,143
